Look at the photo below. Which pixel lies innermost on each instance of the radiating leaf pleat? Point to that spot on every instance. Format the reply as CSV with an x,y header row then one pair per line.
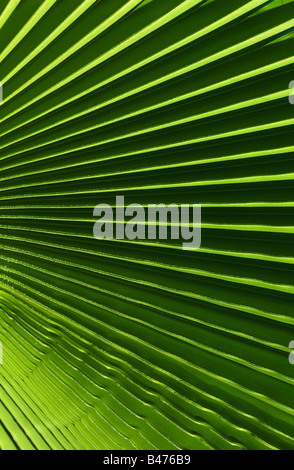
x,y
114,344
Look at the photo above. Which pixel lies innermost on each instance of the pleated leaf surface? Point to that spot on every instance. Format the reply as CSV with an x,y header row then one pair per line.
x,y
119,344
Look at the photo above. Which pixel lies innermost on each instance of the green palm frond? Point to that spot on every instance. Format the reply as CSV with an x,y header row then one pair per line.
x,y
113,344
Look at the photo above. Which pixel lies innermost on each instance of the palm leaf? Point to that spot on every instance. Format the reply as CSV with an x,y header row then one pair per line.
x,y
114,344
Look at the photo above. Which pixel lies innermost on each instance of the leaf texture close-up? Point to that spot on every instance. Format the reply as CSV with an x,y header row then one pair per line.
x,y
138,344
